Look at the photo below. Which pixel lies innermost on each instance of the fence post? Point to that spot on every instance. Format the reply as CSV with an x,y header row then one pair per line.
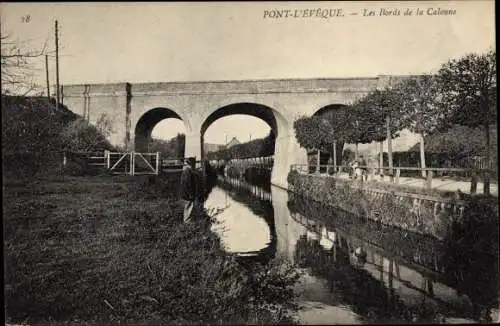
x,y
157,162
429,179
473,182
132,163
318,162
334,157
107,158
396,178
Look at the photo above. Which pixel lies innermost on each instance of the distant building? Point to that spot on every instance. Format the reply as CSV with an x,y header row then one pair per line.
x,y
208,147
233,142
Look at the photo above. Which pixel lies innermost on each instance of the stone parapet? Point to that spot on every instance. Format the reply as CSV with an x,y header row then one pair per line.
x,y
93,90
265,86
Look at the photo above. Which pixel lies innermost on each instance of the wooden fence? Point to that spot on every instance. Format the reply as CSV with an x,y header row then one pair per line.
x,y
129,163
264,162
393,175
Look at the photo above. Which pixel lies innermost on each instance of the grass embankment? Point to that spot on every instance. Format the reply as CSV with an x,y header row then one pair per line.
x,y
104,249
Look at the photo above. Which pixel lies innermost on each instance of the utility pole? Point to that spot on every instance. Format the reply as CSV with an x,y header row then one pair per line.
x,y
57,66
47,76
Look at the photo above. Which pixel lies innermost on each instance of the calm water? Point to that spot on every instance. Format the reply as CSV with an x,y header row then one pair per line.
x,y
396,277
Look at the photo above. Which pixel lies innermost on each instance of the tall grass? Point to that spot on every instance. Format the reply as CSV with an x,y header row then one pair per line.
x,y
104,249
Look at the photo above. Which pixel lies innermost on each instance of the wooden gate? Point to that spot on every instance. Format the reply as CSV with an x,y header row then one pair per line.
x,y
132,163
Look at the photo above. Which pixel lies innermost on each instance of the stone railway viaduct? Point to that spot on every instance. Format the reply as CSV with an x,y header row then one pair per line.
x,y
135,109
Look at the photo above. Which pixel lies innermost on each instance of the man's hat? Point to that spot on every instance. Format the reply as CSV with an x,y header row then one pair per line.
x,y
191,160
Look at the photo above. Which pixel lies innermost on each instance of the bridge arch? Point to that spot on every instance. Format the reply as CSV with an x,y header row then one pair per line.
x,y
276,121
146,123
263,112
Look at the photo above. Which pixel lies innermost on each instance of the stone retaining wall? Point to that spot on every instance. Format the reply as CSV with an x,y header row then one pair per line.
x,y
429,215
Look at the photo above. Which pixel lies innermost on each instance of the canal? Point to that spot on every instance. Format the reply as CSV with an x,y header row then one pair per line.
x,y
353,271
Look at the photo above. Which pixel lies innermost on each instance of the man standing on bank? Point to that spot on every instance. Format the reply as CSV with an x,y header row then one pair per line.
x,y
189,187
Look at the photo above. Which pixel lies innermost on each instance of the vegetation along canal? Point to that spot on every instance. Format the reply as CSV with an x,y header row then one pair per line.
x,y
352,270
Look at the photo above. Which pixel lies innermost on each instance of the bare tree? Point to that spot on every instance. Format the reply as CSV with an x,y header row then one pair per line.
x,y
17,66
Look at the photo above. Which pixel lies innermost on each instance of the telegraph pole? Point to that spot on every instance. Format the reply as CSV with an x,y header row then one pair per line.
x,y
57,66
47,76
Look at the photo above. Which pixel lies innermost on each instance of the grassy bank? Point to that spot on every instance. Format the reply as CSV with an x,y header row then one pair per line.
x,y
108,250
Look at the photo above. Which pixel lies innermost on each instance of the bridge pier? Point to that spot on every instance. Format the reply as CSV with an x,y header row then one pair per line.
x,y
193,145
286,153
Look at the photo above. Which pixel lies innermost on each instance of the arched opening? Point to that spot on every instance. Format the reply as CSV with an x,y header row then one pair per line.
x,y
332,112
251,109
274,124
156,132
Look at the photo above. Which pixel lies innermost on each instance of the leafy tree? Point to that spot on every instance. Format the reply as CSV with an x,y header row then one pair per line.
x,y
339,129
419,112
367,125
459,141
180,145
309,132
363,126
313,133
468,88
171,149
268,144
254,148
380,117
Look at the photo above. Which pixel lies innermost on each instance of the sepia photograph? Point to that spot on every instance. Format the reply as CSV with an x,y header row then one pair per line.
x,y
249,163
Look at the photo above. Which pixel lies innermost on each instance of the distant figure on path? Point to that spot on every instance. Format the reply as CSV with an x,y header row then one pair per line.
x,y
356,171
189,187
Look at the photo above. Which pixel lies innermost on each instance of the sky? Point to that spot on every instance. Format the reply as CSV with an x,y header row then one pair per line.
x,y
161,42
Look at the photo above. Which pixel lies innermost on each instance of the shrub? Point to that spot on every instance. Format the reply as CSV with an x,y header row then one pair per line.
x,y
74,169
81,136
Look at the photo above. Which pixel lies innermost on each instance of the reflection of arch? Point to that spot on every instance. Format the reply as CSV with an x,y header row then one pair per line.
x,y
239,191
147,122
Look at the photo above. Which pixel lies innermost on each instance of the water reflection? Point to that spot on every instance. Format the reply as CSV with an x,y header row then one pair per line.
x,y
451,278
245,219
355,271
